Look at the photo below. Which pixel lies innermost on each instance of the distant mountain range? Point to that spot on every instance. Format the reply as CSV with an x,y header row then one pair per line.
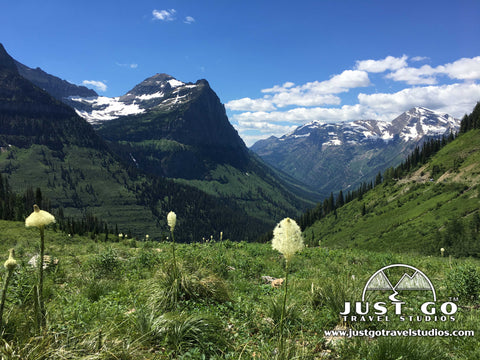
x,y
336,156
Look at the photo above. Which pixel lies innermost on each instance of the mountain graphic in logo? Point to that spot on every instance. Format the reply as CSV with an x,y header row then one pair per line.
x,y
417,281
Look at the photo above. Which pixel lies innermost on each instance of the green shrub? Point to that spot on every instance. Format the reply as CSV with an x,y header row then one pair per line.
x,y
332,295
181,332
464,282
291,316
168,289
105,264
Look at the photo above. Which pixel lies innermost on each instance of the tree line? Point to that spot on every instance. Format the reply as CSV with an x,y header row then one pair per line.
x,y
16,207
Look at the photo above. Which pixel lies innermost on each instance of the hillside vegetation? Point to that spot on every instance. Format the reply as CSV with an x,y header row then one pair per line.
x,y
435,205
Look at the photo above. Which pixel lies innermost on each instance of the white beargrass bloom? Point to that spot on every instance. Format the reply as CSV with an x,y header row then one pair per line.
x,y
287,238
171,220
39,218
11,263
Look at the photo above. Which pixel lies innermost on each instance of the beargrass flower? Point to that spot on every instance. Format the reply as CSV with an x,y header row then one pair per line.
x,y
39,218
11,263
171,220
287,238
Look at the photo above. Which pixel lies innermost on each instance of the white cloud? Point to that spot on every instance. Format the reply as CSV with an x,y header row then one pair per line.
x,y
419,58
247,104
415,76
189,20
279,88
310,94
303,115
131,66
378,66
98,85
454,99
265,127
340,83
164,15
464,69
299,98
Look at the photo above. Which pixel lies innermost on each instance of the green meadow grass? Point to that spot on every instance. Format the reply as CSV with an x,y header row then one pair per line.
x,y
102,303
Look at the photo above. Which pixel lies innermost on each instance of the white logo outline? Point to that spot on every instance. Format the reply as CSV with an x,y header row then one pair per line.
x,y
392,297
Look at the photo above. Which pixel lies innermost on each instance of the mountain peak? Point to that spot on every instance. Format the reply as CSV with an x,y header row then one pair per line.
x,y
6,61
156,84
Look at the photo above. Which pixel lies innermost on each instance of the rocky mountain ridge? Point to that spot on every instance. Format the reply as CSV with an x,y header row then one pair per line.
x,y
58,88
335,156
410,125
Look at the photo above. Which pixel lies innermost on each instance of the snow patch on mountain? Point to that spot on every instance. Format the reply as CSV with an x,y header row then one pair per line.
x,y
159,91
409,126
156,95
104,108
175,83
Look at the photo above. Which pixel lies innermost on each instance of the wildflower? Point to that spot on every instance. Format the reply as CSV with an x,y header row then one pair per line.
x,y
11,263
147,236
171,220
287,238
442,250
39,218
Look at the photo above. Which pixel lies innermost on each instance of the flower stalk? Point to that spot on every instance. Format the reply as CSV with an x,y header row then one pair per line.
x,y
287,239
10,266
172,221
40,218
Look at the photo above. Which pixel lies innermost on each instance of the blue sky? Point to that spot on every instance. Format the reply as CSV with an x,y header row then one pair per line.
x,y
275,64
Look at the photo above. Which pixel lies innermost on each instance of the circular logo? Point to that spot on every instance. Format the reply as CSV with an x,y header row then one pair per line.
x,y
381,281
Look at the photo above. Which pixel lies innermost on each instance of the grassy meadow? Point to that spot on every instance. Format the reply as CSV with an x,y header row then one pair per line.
x,y
115,300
